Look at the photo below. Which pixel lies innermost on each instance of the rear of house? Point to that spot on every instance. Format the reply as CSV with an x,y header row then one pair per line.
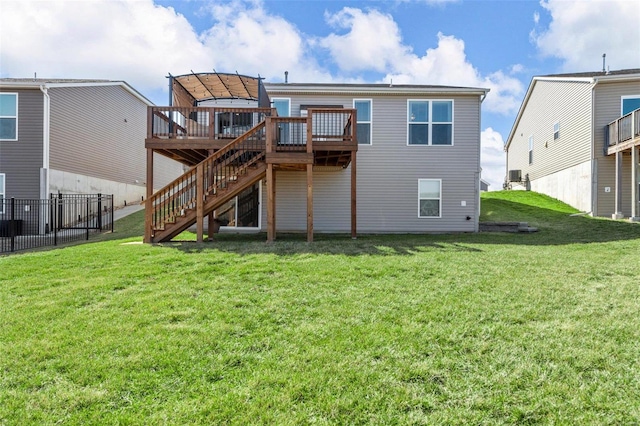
x,y
558,144
369,158
418,159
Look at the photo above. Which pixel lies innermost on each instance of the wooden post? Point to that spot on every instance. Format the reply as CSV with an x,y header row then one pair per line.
x,y
618,194
199,202
310,178
309,203
271,227
148,213
634,184
354,211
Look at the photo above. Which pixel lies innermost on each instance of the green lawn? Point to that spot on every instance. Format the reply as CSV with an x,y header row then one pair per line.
x,y
539,328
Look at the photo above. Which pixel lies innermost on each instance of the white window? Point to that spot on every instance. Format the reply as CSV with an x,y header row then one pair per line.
x,y
430,122
2,193
630,103
8,116
429,197
531,149
556,131
283,108
363,106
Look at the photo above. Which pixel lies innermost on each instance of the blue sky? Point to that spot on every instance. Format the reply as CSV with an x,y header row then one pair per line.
x,y
499,45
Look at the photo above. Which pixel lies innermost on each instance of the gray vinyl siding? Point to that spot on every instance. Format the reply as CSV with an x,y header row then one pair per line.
x,y
99,131
388,173
567,103
21,160
607,108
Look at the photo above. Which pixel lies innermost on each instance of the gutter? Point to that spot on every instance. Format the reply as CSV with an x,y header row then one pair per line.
x,y
46,141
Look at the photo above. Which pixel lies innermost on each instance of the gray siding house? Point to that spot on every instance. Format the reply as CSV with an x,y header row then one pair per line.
x,y
560,145
369,158
418,159
75,136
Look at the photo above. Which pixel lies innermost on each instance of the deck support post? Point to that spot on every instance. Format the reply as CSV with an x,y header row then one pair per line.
x,y
618,194
354,210
199,203
635,215
309,203
148,212
271,204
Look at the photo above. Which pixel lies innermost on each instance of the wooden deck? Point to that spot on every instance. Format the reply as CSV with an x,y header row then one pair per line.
x,y
623,133
229,149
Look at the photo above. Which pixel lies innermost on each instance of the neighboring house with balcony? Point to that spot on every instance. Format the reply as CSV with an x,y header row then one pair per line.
x,y
560,145
75,136
367,158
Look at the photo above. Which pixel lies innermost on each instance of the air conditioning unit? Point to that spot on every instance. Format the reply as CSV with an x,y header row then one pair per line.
x,y
515,175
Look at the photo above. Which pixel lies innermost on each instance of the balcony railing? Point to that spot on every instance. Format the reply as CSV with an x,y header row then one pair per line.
x,y
322,125
203,122
624,128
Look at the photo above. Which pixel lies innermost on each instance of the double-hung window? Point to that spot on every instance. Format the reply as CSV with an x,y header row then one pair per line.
x,y
429,197
430,122
556,131
363,107
8,116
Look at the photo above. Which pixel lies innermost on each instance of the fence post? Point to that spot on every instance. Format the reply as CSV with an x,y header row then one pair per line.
x,y
54,219
12,225
87,219
99,217
111,212
59,222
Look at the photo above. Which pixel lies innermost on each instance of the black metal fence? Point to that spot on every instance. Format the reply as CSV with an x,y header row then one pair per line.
x,y
30,223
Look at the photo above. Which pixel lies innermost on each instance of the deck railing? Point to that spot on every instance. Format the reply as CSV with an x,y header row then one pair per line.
x,y
203,122
624,128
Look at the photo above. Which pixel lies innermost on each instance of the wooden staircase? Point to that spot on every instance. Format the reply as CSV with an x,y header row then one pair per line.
x,y
207,186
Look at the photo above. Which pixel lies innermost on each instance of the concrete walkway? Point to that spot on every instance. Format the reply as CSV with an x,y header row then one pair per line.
x,y
121,212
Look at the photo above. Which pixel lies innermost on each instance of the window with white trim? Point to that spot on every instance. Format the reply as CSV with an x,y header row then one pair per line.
x,y
364,128
556,131
8,116
2,192
531,149
429,197
430,122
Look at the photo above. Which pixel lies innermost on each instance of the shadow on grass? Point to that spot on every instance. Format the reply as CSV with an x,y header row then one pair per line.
x,y
555,227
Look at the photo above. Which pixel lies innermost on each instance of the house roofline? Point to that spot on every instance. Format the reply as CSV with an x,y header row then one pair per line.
x,y
594,79
377,89
52,84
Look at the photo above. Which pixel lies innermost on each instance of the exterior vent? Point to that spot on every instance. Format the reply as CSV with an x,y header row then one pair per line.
x,y
515,176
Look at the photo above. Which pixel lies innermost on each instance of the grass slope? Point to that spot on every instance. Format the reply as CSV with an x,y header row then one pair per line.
x,y
407,329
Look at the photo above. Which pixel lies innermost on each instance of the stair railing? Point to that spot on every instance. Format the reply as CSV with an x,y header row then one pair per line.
x,y
214,173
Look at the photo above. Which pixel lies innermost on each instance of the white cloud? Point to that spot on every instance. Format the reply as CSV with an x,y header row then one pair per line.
x,y
447,64
492,158
140,42
580,32
373,41
245,37
134,41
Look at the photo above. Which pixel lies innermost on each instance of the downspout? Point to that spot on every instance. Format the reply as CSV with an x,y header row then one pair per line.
x,y
46,122
479,172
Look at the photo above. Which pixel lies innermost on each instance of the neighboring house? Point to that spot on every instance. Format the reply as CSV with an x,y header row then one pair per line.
x,y
484,185
372,157
560,144
75,136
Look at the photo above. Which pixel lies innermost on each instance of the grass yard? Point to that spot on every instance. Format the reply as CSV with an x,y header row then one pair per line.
x,y
489,328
